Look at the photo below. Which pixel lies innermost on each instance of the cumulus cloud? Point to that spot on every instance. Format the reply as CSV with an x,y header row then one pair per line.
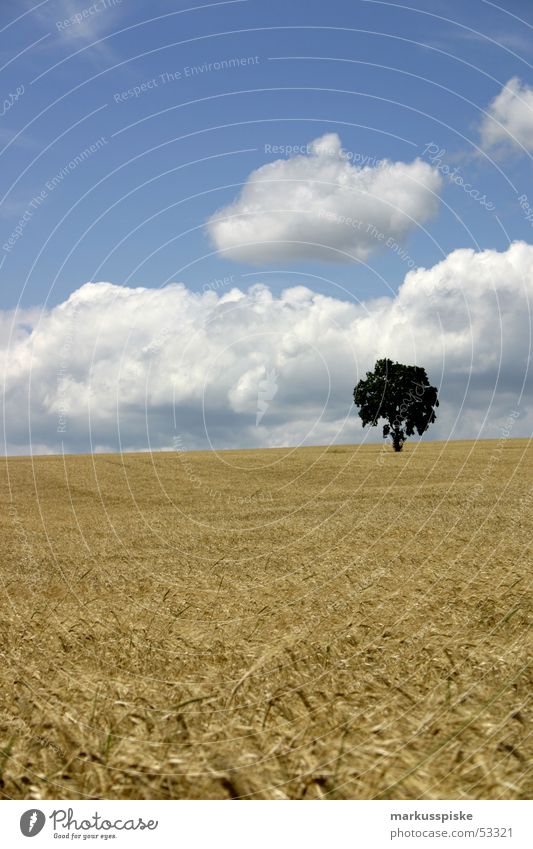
x,y
320,205
510,117
119,368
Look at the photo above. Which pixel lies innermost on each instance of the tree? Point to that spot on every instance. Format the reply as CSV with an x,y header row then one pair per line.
x,y
399,394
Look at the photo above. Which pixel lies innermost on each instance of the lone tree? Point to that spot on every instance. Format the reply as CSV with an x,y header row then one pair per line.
x,y
399,394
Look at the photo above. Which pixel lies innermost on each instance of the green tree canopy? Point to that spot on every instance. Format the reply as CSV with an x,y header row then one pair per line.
x,y
399,394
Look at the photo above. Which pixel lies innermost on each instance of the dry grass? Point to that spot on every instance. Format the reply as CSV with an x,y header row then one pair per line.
x,y
354,627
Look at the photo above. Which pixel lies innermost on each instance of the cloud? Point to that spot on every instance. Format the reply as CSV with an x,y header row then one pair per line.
x,y
509,121
87,24
79,26
118,368
321,206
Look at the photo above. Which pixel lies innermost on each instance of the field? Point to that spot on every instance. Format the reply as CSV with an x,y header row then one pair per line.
x,y
332,623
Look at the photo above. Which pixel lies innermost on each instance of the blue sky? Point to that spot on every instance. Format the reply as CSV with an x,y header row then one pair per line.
x,y
132,137
388,80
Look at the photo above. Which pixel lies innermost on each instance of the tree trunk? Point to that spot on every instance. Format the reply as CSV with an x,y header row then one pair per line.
x,y
397,441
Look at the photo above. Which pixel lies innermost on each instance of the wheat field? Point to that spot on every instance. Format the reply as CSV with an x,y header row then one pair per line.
x,y
334,623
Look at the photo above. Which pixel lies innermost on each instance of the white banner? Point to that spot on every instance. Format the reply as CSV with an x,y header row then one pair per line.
x,y
264,825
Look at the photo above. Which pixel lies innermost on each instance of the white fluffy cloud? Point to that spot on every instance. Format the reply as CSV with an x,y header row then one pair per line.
x,y
114,367
510,117
320,205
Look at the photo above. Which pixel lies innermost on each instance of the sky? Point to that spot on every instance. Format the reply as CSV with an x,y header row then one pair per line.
x,y
216,217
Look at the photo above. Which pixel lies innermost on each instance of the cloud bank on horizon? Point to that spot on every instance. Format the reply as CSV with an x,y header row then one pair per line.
x,y
136,368
318,205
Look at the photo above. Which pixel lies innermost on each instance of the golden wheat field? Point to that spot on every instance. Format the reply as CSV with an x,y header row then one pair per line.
x,y
336,623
